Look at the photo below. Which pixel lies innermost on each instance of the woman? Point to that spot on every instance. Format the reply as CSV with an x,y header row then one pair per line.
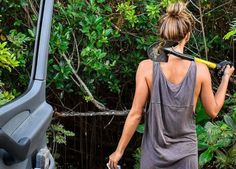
x,y
169,140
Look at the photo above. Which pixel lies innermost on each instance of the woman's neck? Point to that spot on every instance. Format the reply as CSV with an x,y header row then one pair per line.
x,y
179,48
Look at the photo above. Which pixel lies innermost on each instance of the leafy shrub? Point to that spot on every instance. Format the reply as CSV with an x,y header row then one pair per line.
x,y
7,61
57,135
217,138
232,32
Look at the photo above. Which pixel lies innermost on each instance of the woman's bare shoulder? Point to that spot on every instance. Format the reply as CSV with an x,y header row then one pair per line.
x,y
202,72
147,63
145,67
202,68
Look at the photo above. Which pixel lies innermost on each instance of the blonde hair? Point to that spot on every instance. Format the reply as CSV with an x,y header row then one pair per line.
x,y
176,23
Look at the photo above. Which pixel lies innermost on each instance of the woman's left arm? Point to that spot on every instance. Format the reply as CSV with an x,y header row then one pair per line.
x,y
134,116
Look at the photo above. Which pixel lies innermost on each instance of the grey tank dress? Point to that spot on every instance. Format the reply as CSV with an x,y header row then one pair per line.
x,y
169,140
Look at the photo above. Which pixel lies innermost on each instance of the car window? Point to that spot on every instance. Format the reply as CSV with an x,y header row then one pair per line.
x,y
18,22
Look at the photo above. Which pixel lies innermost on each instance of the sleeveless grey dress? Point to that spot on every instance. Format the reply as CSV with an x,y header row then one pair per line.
x,y
169,140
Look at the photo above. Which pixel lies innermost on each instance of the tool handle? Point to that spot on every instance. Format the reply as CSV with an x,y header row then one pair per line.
x,y
208,63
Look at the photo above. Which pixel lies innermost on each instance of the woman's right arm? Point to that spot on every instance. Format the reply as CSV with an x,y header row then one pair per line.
x,y
134,116
213,103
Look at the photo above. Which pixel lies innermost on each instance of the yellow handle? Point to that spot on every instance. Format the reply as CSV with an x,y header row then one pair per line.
x,y
209,64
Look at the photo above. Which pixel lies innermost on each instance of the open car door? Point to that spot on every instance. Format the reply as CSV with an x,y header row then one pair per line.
x,y
24,121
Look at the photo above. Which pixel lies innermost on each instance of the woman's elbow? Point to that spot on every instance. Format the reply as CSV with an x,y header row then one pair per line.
x,y
135,115
213,114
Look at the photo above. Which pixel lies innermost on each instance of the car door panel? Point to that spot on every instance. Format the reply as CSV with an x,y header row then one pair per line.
x,y
24,121
15,122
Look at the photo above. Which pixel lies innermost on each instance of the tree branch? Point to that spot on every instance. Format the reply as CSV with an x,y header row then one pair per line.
x,y
195,40
77,52
33,8
28,16
91,114
83,86
194,17
129,33
218,7
203,30
194,4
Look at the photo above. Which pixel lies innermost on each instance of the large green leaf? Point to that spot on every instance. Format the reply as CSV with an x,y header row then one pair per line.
x,y
140,128
229,121
205,157
201,114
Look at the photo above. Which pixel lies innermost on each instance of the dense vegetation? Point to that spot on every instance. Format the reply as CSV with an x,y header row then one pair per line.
x,y
95,48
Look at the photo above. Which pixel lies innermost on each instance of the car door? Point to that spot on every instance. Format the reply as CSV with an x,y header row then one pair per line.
x,y
24,121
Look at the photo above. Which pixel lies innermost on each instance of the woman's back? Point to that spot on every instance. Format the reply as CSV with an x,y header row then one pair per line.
x,y
170,124
175,71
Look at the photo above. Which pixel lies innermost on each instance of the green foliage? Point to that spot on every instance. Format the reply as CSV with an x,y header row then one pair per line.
x,y
165,3
7,59
129,12
226,159
205,157
60,38
230,122
232,32
140,128
63,73
137,157
5,97
201,116
95,39
215,137
222,139
57,135
153,11
18,27
18,38
88,98
60,133
93,35
137,153
19,45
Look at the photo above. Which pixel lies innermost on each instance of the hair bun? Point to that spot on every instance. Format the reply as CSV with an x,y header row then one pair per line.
x,y
176,9
176,23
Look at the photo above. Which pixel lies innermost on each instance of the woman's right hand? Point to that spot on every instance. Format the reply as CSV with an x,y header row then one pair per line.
x,y
113,159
